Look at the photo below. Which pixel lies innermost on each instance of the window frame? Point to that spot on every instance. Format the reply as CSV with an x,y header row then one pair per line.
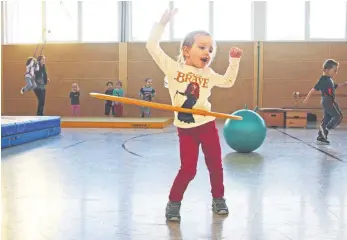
x,y
287,40
130,28
251,27
81,23
45,29
314,39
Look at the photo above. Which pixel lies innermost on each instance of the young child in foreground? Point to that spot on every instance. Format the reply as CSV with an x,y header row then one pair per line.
x,y
332,112
75,100
190,80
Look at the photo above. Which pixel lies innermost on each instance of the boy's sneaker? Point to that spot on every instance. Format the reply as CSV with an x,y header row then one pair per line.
x,y
173,211
322,140
219,206
324,132
22,91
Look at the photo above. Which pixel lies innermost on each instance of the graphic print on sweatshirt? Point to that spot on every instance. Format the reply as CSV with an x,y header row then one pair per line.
x,y
188,98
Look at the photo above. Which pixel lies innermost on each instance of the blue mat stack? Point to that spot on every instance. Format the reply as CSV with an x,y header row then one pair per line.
x,y
17,130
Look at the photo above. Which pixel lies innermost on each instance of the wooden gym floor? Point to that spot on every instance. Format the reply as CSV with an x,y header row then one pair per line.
x,y
113,184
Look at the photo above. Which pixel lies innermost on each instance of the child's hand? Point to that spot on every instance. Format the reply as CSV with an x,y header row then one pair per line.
x,y
167,16
235,52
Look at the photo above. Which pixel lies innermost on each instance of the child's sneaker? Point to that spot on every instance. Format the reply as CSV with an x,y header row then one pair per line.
x,y
322,140
219,206
324,132
22,91
173,211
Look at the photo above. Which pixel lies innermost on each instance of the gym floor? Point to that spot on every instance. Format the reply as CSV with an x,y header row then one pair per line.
x,y
113,184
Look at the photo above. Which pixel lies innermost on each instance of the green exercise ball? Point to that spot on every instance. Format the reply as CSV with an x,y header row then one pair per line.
x,y
247,135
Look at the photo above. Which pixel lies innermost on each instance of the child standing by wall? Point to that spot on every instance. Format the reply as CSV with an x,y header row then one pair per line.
x,y
118,106
147,93
30,67
108,103
190,81
332,113
75,100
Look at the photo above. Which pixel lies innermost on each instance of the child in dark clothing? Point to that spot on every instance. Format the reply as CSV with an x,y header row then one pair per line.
x,y
332,112
108,103
75,99
147,93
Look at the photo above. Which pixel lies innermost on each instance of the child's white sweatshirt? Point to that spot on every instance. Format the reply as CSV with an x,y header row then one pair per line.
x,y
189,87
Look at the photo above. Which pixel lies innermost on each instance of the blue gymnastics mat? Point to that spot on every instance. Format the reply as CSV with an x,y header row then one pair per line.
x,y
16,130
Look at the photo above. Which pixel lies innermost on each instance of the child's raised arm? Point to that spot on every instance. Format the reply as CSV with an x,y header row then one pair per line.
x,y
228,79
164,62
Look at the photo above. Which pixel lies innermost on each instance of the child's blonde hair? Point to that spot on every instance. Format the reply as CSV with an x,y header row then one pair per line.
x,y
189,40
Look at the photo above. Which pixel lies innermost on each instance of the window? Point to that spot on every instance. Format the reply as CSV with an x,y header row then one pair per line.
x,y
239,14
100,21
142,21
23,21
285,20
62,21
191,16
327,20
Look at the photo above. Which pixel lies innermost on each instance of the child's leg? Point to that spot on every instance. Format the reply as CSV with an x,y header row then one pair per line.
x,y
28,86
335,112
107,109
211,147
113,109
33,83
121,110
77,110
340,115
189,152
73,110
146,111
326,119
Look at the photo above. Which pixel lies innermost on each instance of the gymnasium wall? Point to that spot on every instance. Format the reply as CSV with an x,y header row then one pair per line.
x,y
93,65
283,69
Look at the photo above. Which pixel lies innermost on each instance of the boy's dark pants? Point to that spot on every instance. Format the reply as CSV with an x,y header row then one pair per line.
x,y
108,108
332,113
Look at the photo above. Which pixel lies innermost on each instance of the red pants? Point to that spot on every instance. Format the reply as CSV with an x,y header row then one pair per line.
x,y
118,110
190,140
76,109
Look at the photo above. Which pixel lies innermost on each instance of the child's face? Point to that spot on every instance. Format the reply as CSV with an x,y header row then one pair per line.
x,y
200,54
149,82
118,86
331,72
109,86
74,87
43,61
